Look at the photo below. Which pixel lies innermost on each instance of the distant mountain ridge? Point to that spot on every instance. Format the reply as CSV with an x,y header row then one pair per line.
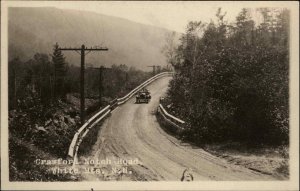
x,y
32,30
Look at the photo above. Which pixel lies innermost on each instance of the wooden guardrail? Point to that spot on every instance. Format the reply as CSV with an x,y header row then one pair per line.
x,y
84,129
175,122
135,90
78,135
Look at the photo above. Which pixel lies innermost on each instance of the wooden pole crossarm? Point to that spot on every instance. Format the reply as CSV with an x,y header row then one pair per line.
x,y
83,51
88,49
97,49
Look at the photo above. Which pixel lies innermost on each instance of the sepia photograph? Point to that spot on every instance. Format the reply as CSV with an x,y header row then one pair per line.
x,y
149,95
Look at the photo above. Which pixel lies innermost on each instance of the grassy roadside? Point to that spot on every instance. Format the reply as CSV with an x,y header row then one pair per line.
x,y
264,159
272,161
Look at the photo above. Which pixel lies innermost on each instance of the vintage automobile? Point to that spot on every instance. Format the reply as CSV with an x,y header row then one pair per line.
x,y
143,96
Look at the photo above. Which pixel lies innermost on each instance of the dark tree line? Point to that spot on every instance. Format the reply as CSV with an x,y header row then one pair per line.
x,y
47,79
232,80
117,81
39,79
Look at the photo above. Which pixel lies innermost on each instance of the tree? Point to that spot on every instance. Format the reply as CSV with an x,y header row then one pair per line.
x,y
234,86
169,49
60,69
244,29
14,72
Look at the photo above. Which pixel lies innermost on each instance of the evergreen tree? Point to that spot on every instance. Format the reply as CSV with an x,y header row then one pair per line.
x,y
231,80
60,69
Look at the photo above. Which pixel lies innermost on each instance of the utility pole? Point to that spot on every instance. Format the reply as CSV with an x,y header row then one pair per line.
x,y
100,84
156,68
126,78
101,69
153,66
83,51
15,89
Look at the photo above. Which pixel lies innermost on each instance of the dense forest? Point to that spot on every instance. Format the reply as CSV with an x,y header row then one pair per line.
x,y
47,79
232,79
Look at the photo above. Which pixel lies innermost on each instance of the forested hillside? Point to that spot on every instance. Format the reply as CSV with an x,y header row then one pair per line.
x,y
232,80
33,30
44,108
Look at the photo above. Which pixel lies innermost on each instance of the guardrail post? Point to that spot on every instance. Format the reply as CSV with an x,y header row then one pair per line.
x,y
79,135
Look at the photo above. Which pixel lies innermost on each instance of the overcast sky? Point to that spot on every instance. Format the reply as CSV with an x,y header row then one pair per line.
x,y
173,15
170,15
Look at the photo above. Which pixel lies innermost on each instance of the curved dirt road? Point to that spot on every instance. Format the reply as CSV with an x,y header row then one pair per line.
x,y
133,133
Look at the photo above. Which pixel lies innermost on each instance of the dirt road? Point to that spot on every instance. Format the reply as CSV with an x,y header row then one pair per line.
x,y
133,133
